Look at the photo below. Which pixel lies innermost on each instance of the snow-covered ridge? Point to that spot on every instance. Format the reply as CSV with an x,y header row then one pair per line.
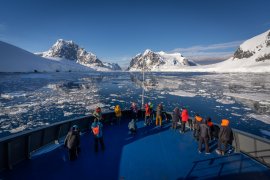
x,y
15,59
71,51
159,61
255,48
252,56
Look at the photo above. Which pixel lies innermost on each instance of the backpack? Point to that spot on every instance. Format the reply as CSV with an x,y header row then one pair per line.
x,y
96,130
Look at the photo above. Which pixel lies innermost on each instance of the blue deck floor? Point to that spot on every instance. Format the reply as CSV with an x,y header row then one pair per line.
x,y
152,154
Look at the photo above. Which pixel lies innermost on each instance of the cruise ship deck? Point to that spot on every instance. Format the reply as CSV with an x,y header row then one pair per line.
x,y
153,153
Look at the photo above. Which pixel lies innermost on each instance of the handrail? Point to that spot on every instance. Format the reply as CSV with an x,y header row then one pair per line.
x,y
30,141
38,129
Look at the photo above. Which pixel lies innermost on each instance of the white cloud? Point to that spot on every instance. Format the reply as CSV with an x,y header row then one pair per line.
x,y
209,47
212,52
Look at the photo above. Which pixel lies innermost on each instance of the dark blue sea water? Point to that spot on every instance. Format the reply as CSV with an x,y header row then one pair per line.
x,y
30,100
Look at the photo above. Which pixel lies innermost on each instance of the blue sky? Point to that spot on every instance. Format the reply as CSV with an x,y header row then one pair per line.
x,y
118,30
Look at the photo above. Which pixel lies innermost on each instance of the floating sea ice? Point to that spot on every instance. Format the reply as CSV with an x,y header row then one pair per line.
x,y
225,101
161,97
235,114
182,93
114,95
235,108
263,118
18,129
67,113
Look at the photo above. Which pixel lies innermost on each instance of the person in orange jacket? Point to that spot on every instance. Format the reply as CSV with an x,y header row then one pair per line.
x,y
185,117
196,122
224,136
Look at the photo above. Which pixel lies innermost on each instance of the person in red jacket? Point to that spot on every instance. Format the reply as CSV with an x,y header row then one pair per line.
x,y
184,116
147,115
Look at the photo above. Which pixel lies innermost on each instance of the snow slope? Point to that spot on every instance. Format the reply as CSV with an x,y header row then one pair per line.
x,y
159,61
252,56
14,59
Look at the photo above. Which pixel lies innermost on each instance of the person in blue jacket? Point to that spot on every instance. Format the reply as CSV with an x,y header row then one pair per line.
x,y
98,134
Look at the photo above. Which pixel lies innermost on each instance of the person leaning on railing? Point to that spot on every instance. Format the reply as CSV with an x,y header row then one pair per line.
x,y
159,115
134,111
72,142
196,123
224,136
204,137
175,117
118,113
184,117
98,114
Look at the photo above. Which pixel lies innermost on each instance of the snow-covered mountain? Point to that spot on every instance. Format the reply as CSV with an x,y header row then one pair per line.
x,y
253,55
15,59
71,51
159,61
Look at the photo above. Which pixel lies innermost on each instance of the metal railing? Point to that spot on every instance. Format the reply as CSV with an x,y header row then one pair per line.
x,y
19,147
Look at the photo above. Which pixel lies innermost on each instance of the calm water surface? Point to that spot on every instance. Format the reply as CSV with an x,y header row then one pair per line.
x,y
33,100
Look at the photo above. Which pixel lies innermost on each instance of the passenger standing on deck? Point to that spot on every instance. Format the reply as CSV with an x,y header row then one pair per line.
x,y
98,134
134,111
204,137
175,117
118,113
132,127
211,126
163,113
151,110
197,121
97,114
159,115
224,136
184,116
72,142
147,120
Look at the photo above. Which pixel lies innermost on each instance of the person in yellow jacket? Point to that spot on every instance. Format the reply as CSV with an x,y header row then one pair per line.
x,y
118,113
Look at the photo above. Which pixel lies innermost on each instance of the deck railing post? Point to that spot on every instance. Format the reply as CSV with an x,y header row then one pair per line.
x,y
28,146
9,157
236,141
58,133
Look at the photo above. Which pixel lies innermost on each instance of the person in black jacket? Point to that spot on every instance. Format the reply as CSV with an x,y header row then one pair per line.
x,y
196,125
224,136
175,117
72,142
204,136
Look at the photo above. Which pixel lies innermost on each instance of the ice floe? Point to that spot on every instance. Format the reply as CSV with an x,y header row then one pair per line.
x,y
182,93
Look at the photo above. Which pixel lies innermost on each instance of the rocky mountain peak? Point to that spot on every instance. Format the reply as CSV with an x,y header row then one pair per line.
x,y
71,51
